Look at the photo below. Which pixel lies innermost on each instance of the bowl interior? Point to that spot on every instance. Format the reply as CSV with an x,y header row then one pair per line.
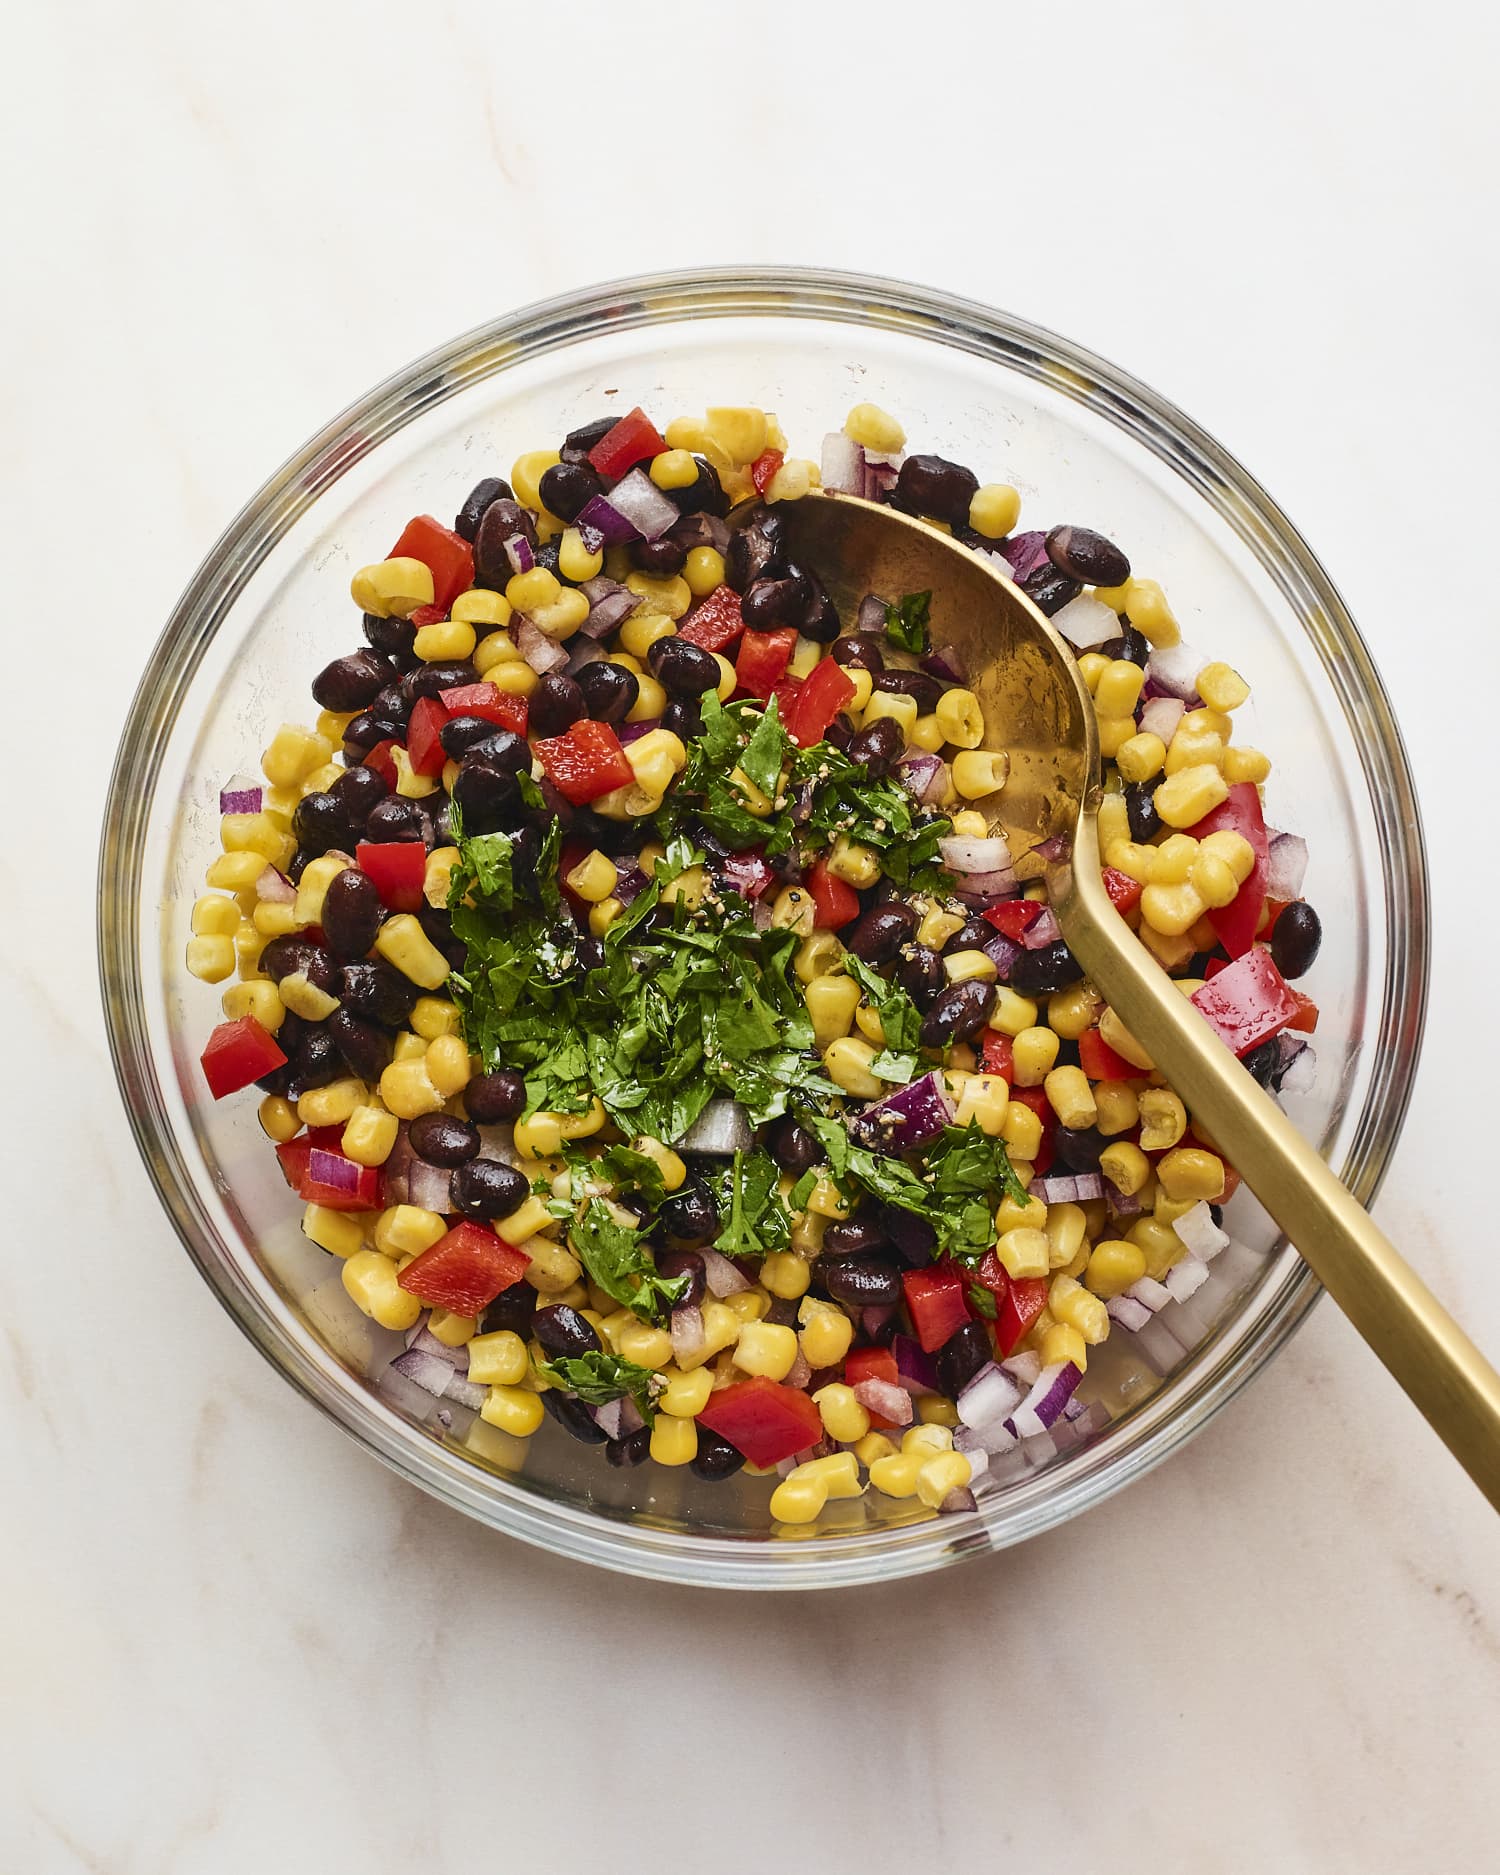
x,y
1082,444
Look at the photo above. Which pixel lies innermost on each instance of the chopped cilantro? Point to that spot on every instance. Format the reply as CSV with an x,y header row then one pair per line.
x,y
599,1377
900,1022
906,624
612,1254
755,1221
982,1300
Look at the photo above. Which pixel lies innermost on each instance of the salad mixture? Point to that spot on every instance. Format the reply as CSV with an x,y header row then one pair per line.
x,y
647,1015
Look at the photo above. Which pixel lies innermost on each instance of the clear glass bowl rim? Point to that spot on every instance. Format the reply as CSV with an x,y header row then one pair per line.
x,y
728,292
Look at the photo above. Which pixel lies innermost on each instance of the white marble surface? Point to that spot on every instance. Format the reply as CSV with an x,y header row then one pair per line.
x,y
229,1642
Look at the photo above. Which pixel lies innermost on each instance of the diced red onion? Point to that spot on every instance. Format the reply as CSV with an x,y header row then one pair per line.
x,y
429,1187
946,662
632,732
721,1275
1174,670
885,1400
702,530
590,539
1086,622
334,1170
1002,952
909,1117
274,888
915,1368
426,1342
518,552
397,1165
1037,1448
582,649
616,1419
1057,848
871,614
1200,1233
924,776
799,1373
539,651
1286,865
1068,1188
643,505
1149,1291
1024,553
1042,1405
1023,1368
965,856
1128,1312
424,1370
980,890
880,477
747,873
1186,1278
842,465
988,1400
606,613
959,1499
604,519
242,795
723,1127
761,913
1121,1203
630,882
1042,931
1301,1072
687,1332
1161,716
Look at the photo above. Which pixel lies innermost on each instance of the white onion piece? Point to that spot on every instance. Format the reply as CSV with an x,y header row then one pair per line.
x,y
722,1127
885,1400
1023,1368
721,1276
1042,931
1186,1278
643,504
274,888
687,1332
1199,1232
1286,865
799,1373
1086,622
1175,670
1299,1077
1127,1312
1150,1293
988,1399
842,464
423,1370
538,649
1161,716
965,855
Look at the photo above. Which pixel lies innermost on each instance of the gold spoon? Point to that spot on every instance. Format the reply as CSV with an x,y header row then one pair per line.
x,y
1037,708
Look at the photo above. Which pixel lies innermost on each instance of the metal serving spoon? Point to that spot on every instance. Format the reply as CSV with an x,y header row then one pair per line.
x,y
1037,708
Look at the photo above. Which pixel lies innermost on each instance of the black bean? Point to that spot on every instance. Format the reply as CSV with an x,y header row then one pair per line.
x,y
573,1416
684,717
1140,810
485,1188
555,705
357,791
316,1062
441,1139
1086,556
577,443
862,1281
859,651
513,1308
492,488
1296,938
877,746
924,690
688,1217
715,1459
361,733
563,1331
754,552
681,668
934,487
319,822
352,682
491,1098
961,1356
958,1014
914,1237
285,956
609,690
632,1449
706,495
486,795
395,820
1048,590
391,637
670,1264
393,705
378,991
429,679
858,1236
820,618
919,971
1040,972
352,913
1263,1062
567,488
878,934
658,559
769,603
1131,645
792,1147
366,1048
840,732
503,520
972,935
459,734
1078,1148
505,750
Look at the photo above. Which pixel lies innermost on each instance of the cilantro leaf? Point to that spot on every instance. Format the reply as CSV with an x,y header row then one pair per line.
x,y
599,1377
879,814
755,1219
629,1170
900,1022
906,624
766,751
612,1254
982,1300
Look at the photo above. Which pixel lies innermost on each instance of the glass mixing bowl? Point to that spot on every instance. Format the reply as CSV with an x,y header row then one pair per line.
x,y
1084,443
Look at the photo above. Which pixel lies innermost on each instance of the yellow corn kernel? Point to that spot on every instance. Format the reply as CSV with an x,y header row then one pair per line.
x,y
334,1104
960,719
1125,1166
937,927
278,1119
1071,1096
445,641
926,733
793,909
1073,1011
531,1216
1184,798
1113,1266
552,1270
1131,858
392,588
1194,748
1235,851
1091,667
887,703
1033,1052
270,918
235,872
1029,1214
294,752
703,571
674,468
739,430
530,591
496,649
312,887
831,1003
1221,686
575,560
1188,1174
847,1061
867,1021
437,875
526,475
248,945
407,1090
825,1335
516,1410
817,956
1147,609
1118,690
1163,1119
1141,756
941,1474
685,1395
406,1230
1114,1032
1013,1014
1114,733
1065,1227
434,1016
668,1163
994,510
785,1275
873,1446
480,606
838,1473
934,1410
331,725
517,679
1171,909
674,1441
826,1201
985,1101
970,967
1162,1246
594,877
1061,1343
864,686
767,1349
369,1135
873,428
404,944
252,833
644,629
1245,764
978,772
211,959
798,1500
1214,883
563,616
1172,952
792,480
843,1417
1022,1132
1172,862
408,1047
447,1063
1079,1308
370,1281
1023,1252
338,1232
498,1360
1114,821
1167,1210
896,1476
857,865
603,915
645,1345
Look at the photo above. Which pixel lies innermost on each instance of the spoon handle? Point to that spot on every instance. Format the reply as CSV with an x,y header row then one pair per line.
x,y
1443,1373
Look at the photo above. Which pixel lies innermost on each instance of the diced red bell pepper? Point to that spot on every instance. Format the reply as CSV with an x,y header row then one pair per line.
x,y
825,692
784,695
238,1053
1237,922
997,1055
465,1270
762,661
398,868
382,759
295,1153
428,615
1024,1301
632,440
1214,965
835,901
319,1186
1124,892
585,762
1274,907
1036,1099
715,622
764,467
862,1364
991,1275
1305,1021
749,872
449,556
937,1300
763,1419
1248,1002
423,750
1014,918
1100,1062
489,703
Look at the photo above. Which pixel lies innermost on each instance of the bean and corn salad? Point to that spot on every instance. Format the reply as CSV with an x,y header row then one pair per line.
x,y
651,1022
